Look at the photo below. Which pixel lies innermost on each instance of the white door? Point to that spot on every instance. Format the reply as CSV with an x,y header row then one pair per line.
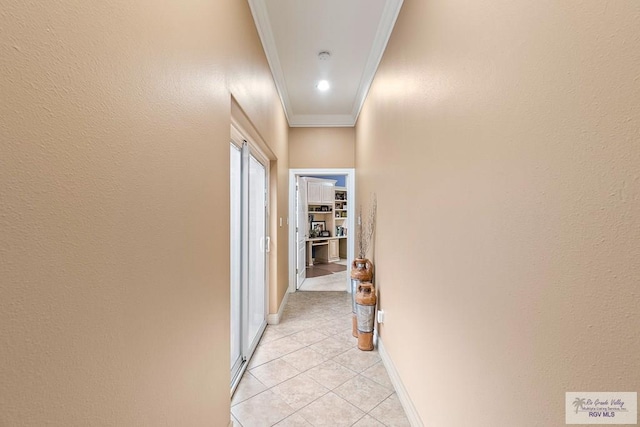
x,y
249,247
301,231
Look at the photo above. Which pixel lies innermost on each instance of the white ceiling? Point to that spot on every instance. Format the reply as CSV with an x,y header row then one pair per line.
x,y
293,32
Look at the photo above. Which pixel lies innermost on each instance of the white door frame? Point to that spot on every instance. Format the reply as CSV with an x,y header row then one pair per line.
x,y
301,235
351,214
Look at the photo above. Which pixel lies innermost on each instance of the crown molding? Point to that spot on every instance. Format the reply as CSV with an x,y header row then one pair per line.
x,y
322,120
383,33
263,25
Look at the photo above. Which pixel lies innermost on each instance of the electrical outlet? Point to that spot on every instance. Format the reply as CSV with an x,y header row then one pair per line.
x,y
380,316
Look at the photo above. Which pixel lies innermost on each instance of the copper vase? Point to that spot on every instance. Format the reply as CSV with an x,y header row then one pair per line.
x,y
365,312
361,272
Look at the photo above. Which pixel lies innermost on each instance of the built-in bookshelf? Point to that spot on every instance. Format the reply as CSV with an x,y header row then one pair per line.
x,y
327,220
340,219
340,211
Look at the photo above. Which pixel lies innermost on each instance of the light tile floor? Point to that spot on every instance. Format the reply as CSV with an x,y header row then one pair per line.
x,y
308,371
332,282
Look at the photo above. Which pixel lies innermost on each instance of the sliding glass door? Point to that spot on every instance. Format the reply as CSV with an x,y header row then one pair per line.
x,y
236,260
249,250
258,246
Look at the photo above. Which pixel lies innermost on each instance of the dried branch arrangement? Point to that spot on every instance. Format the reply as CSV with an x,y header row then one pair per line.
x,y
366,227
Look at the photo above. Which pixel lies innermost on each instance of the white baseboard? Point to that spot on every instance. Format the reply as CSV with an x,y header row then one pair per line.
x,y
401,391
274,319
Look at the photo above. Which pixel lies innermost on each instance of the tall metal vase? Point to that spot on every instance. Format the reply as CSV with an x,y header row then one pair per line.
x,y
365,310
361,272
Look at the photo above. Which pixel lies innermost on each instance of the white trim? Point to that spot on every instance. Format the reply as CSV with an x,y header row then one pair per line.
x,y
401,391
385,27
351,214
322,120
263,25
383,34
274,319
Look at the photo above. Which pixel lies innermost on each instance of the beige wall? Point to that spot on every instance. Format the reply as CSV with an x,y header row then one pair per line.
x,y
321,148
114,211
502,142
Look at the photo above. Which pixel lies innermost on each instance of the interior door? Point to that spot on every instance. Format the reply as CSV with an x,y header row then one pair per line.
x,y
301,231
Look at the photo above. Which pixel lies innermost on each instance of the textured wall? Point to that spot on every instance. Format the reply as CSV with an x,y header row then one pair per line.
x,y
114,247
503,142
321,147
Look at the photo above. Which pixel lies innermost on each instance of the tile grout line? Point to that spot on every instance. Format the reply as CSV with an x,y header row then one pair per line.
x,y
319,324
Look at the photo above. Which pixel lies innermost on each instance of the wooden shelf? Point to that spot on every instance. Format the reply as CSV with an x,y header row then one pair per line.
x,y
340,206
314,240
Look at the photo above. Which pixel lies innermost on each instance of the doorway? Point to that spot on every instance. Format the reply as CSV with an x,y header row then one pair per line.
x,y
298,238
250,244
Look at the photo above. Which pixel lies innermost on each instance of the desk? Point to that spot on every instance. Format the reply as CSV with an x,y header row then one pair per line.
x,y
327,249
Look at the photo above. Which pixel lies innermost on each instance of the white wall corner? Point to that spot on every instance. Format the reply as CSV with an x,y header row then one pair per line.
x,y
274,319
401,391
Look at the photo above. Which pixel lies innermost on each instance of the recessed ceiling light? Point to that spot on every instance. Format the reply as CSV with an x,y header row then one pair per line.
x,y
323,85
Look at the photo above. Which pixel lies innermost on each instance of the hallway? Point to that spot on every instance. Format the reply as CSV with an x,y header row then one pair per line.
x,y
307,371
501,142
